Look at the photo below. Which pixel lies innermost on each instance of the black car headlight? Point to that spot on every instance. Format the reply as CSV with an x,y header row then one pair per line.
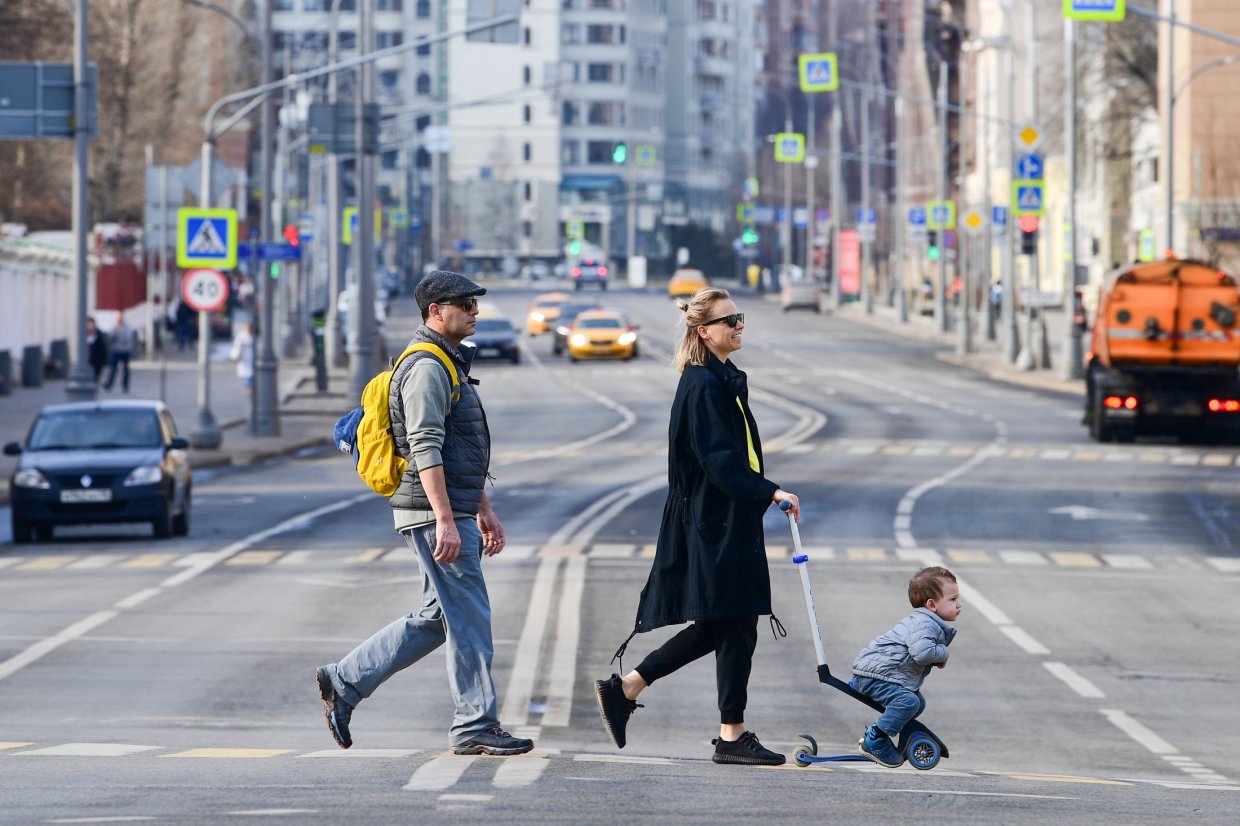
x,y
31,478
144,475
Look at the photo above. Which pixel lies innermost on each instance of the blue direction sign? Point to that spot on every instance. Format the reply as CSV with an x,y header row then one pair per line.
x,y
999,216
275,251
207,238
917,216
866,215
1105,10
1030,167
818,72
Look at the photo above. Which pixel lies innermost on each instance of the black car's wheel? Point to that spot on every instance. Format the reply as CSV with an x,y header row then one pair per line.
x,y
23,531
180,522
162,525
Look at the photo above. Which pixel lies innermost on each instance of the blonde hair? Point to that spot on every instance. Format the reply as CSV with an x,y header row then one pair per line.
x,y
692,349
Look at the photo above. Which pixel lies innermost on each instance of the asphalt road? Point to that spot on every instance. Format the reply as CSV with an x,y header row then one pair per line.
x,y
1092,679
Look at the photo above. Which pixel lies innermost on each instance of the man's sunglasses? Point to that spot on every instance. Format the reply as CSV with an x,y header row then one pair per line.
x,y
466,304
730,320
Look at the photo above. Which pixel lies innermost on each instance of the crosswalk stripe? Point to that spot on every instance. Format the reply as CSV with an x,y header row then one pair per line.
x,y
648,551
866,554
296,558
1189,459
1217,460
566,549
5,746
87,750
11,561
1086,456
968,556
149,561
46,563
777,552
353,754
604,550
1129,561
1074,559
1022,558
1224,564
522,770
439,773
250,558
403,553
368,555
94,562
231,754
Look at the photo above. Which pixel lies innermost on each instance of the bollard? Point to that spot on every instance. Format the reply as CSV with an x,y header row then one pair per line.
x,y
6,373
32,366
58,360
318,330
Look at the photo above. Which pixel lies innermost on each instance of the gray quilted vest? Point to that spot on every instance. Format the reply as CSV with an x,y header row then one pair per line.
x,y
467,441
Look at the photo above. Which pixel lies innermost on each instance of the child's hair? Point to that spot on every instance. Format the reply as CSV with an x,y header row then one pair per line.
x,y
691,349
927,584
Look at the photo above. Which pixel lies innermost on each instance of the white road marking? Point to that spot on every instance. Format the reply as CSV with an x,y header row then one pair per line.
x,y
1128,561
87,750
1224,564
1022,639
272,812
521,770
563,673
988,609
296,558
12,560
622,758
978,794
1138,732
440,773
353,754
1074,681
516,709
1023,558
94,562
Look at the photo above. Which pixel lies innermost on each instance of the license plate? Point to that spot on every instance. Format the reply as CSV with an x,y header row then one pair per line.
x,y
488,352
101,495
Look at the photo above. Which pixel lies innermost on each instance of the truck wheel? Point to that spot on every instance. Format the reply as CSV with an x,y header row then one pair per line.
x,y
1098,428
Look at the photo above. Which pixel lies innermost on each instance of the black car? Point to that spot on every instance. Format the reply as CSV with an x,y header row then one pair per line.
x,y
496,339
100,462
589,271
568,314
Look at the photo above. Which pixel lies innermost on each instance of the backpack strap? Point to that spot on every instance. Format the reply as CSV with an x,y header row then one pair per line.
x,y
438,352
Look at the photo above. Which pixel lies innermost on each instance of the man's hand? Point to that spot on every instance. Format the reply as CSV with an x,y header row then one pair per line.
x,y
492,532
447,541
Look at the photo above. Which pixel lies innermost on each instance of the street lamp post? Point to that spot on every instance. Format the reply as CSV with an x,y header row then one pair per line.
x,y
81,384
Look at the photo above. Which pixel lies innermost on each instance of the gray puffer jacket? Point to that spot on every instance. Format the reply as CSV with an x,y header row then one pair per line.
x,y
906,653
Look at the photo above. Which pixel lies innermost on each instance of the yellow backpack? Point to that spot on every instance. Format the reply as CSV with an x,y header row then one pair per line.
x,y
366,431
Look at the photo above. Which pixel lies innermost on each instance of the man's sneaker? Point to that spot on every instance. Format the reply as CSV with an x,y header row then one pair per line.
x,y
335,709
876,745
614,707
746,750
494,741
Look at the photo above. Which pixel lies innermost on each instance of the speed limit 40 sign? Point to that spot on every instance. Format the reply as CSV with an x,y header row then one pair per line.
x,y
204,290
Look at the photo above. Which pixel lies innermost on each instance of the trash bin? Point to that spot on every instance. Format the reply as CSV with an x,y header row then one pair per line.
x,y
32,366
57,366
6,373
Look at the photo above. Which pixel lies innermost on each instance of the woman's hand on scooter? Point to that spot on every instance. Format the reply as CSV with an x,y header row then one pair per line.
x,y
788,503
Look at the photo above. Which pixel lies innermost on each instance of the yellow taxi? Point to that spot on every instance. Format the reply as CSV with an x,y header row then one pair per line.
x,y
602,334
685,283
543,311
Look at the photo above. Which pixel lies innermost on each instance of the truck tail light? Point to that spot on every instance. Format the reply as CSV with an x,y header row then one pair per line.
x,y
1120,402
1224,405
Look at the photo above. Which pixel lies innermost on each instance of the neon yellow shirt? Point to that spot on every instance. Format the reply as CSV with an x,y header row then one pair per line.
x,y
753,454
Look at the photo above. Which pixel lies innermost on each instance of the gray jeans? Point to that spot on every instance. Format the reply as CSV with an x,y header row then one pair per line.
x,y
456,610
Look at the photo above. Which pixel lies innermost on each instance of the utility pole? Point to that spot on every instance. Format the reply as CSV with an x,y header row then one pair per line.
x,y
81,384
266,420
867,242
362,342
811,165
940,303
1009,333
1071,368
836,210
786,251
901,217
336,356
1168,107
964,333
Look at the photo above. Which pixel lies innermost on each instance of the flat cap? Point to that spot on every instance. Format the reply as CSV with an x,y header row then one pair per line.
x,y
441,286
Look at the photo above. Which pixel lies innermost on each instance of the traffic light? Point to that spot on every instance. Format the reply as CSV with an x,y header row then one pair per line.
x,y
620,153
749,236
574,247
932,249
1028,234
292,235
274,270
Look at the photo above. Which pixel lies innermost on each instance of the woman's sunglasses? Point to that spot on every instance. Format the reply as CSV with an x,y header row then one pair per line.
x,y
730,320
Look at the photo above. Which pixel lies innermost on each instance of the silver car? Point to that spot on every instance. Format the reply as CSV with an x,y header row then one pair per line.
x,y
801,292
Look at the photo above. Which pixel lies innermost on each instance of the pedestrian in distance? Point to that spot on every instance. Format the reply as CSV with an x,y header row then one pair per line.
x,y
442,510
242,352
122,343
186,320
891,669
96,348
710,565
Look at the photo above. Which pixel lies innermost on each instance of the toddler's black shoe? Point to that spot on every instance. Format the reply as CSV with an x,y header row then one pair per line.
x,y
614,707
746,750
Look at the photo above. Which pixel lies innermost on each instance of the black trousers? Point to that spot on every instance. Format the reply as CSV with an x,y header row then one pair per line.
x,y
733,641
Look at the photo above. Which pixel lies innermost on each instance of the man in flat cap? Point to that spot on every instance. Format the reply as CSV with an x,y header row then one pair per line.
x,y
443,512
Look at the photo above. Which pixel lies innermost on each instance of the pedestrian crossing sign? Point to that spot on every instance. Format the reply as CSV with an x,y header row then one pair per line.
x,y
818,72
789,147
941,215
207,238
1110,11
1028,198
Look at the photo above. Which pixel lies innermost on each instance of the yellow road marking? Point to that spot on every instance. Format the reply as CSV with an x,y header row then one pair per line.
x,y
866,554
1086,456
1073,559
4,746
1217,460
45,563
1061,778
368,555
149,561
647,551
896,450
1155,458
567,549
968,556
1022,453
254,558
244,754
776,552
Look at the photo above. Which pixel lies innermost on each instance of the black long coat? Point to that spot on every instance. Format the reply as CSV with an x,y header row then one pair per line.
x,y
710,561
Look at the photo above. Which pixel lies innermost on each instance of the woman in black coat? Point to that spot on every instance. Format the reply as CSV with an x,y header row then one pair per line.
x,y
710,563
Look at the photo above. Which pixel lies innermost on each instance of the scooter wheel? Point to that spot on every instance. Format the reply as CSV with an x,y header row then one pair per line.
x,y
813,744
799,759
922,752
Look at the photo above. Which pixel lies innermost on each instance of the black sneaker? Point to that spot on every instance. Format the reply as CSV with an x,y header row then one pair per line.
x,y
746,750
335,709
614,707
494,741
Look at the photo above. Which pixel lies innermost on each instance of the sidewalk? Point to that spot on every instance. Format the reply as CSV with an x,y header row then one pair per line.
x,y
306,416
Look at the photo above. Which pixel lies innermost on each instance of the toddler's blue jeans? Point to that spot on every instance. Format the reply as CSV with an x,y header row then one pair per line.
x,y
901,705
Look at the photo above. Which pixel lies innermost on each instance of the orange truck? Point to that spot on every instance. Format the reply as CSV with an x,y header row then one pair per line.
x,y
1164,354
